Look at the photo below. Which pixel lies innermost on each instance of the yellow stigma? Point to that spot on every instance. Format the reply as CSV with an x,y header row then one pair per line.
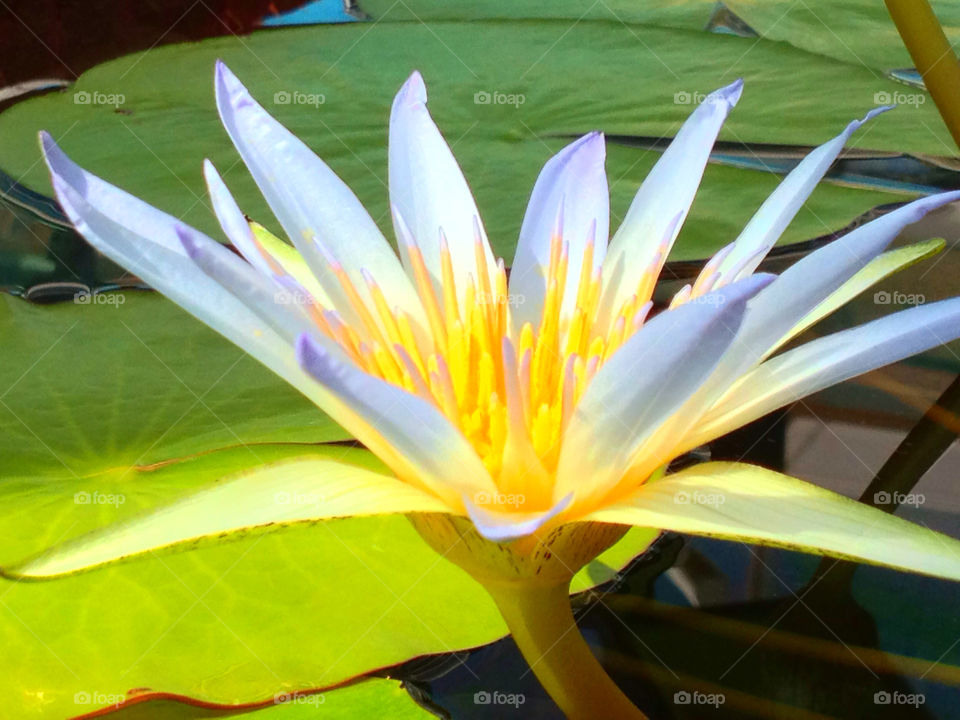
x,y
511,391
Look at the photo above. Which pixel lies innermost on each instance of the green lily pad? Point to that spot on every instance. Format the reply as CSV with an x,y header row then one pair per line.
x,y
683,14
629,79
305,607
237,622
859,32
129,379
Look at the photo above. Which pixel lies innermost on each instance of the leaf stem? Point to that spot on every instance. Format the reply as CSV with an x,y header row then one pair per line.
x,y
542,624
933,56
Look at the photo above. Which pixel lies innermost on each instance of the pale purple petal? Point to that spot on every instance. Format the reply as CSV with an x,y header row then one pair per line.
x,y
232,220
276,304
311,202
408,433
503,526
144,240
643,384
665,195
829,360
572,185
781,207
429,191
806,283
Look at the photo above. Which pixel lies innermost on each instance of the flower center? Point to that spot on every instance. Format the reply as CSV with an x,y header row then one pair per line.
x,y
511,391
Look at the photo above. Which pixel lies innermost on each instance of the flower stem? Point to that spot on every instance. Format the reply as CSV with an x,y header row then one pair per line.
x,y
933,56
542,624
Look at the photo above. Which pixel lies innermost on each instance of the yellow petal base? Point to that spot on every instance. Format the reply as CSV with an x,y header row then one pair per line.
x,y
547,558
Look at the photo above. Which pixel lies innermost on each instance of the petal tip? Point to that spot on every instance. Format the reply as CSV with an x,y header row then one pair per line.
x,y
855,124
302,345
500,527
190,246
414,90
877,111
52,153
222,72
312,357
731,93
210,175
932,202
594,143
228,88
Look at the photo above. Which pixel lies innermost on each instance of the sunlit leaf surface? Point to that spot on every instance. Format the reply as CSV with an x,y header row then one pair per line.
x,y
93,388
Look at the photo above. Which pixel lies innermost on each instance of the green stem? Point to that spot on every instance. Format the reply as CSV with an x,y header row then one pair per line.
x,y
933,56
542,625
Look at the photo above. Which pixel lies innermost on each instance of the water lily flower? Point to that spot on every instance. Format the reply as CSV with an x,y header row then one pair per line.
x,y
526,420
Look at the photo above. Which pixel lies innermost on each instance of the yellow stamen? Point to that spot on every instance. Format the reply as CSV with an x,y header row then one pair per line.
x,y
409,341
450,308
387,318
511,392
427,296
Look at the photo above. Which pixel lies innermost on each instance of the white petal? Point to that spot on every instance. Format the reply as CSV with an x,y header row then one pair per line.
x,y
664,198
643,384
409,434
232,220
144,240
310,201
264,295
500,526
573,186
829,360
779,209
429,191
283,262
806,283
774,312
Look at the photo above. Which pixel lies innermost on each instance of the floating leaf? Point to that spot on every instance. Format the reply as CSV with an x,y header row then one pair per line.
x,y
504,113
